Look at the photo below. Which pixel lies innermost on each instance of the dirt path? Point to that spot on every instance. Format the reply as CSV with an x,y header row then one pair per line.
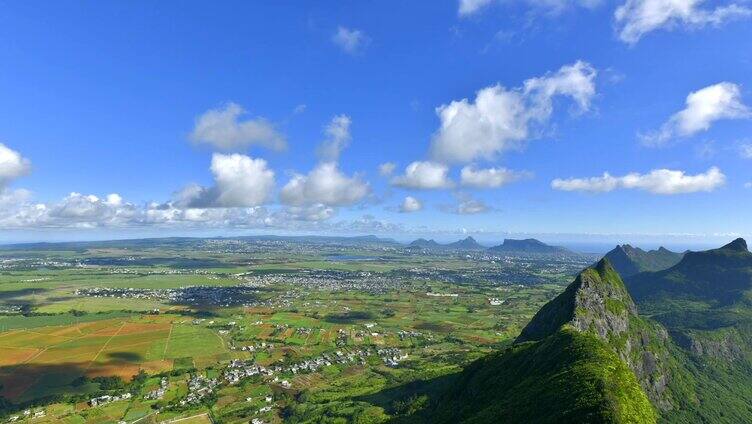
x,y
167,343
177,420
104,346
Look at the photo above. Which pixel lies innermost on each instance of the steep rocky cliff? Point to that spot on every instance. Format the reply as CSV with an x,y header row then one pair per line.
x,y
597,302
589,356
584,357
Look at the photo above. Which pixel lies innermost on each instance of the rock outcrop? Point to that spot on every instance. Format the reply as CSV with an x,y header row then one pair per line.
x,y
597,302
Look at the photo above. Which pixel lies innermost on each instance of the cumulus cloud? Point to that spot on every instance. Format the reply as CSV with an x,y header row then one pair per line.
x,y
658,181
11,198
471,206
703,108
470,176
500,119
337,138
351,41
466,205
410,204
325,185
387,168
424,175
12,165
224,129
311,213
74,211
239,181
81,212
635,18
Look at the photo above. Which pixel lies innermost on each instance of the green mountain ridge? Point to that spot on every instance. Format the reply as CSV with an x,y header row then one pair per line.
x,y
575,361
567,377
704,304
598,303
467,243
628,260
529,246
510,246
720,275
589,356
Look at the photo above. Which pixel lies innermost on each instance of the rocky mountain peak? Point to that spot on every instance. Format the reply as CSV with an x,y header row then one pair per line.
x,y
597,302
739,245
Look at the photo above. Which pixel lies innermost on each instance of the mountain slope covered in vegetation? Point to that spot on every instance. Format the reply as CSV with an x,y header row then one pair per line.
x,y
588,356
562,368
628,260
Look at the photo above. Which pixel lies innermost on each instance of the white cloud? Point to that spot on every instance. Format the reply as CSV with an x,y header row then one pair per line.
x,y
410,204
239,181
488,177
549,7
424,175
351,41
91,210
469,7
658,181
500,119
223,129
337,138
114,199
635,18
74,211
471,207
745,150
81,212
326,185
703,108
170,216
465,205
387,168
12,165
11,198
317,212
602,184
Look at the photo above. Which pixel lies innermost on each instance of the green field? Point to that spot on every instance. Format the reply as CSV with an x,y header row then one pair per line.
x,y
58,335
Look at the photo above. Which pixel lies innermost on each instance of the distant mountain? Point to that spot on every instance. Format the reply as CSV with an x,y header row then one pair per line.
x,y
529,246
721,276
425,244
704,304
467,243
628,260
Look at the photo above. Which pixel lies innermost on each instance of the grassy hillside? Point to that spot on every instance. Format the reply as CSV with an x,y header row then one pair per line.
x,y
568,377
571,363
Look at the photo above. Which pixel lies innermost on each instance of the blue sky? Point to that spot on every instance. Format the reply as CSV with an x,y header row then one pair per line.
x,y
210,119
